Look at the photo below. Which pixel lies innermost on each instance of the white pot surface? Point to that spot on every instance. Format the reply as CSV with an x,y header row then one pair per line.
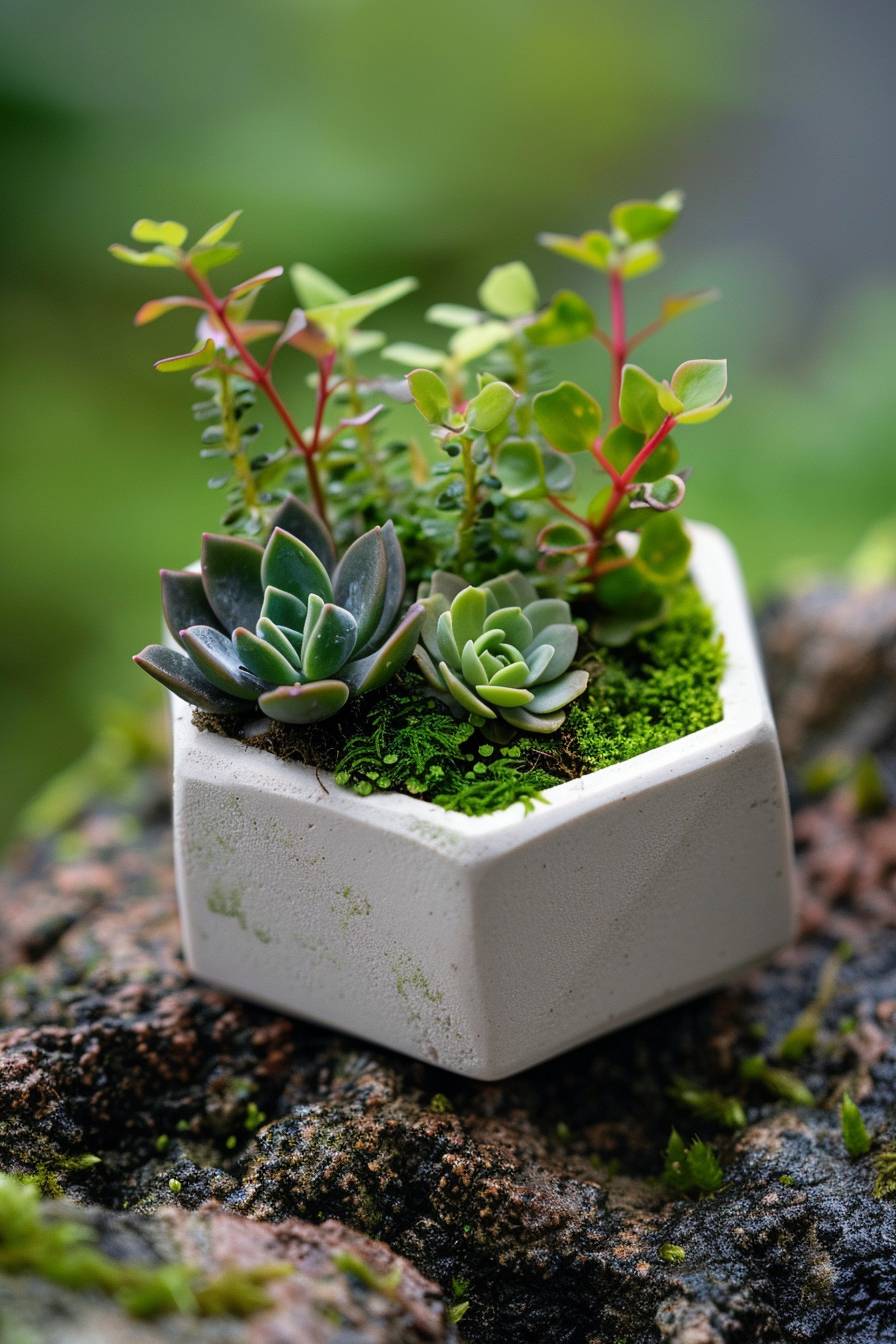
x,y
487,944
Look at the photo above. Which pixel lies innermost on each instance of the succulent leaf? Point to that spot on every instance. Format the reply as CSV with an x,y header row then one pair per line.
x,y
564,639
368,674
296,518
282,608
328,638
218,661
288,645
262,659
179,674
396,582
290,564
558,692
463,694
304,704
231,576
184,601
359,584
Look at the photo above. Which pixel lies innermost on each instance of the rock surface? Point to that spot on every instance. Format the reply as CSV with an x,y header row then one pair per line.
x,y
537,1200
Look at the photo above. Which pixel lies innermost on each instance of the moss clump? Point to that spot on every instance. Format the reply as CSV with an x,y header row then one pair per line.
x,y
660,687
64,1252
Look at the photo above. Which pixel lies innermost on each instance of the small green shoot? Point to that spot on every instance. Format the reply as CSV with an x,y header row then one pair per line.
x,y
691,1168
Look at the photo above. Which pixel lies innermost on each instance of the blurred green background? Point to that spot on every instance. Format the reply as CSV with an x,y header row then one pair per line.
x,y
381,137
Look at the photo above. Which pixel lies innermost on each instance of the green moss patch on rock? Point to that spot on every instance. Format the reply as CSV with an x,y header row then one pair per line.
x,y
662,686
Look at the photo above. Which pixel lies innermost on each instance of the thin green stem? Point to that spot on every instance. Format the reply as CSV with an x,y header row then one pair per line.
x,y
471,506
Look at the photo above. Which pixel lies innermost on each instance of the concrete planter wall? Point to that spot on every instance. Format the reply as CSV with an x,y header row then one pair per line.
x,y
487,944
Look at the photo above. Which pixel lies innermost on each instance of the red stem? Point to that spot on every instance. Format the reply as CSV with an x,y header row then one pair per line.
x,y
570,513
621,484
259,375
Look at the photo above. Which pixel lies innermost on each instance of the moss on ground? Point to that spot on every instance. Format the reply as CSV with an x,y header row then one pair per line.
x,y
660,687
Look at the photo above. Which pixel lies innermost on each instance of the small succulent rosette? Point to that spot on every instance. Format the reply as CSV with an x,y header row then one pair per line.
x,y
284,628
499,651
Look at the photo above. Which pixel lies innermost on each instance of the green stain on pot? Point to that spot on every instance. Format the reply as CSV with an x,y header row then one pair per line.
x,y
349,907
410,980
263,935
227,902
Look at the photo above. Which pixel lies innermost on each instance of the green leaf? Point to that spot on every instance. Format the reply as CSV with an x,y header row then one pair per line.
x,y
219,231
296,518
231,576
199,358
594,248
414,356
430,395
218,661
206,259
313,288
368,674
665,549
453,315
180,675
359,583
254,282
474,342
622,444
569,318
328,638
168,232
304,704
282,609
362,342
639,405
184,602
289,564
700,383
135,258
559,471
155,308
642,220
490,407
679,304
700,417
339,318
509,291
640,259
568,417
563,536
261,658
519,466
856,1138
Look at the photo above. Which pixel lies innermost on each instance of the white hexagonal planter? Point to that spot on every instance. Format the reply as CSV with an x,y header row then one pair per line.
x,y
486,944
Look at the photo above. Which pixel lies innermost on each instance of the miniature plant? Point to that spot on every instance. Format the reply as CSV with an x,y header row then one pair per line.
x,y
285,628
709,1104
500,650
856,1139
691,1168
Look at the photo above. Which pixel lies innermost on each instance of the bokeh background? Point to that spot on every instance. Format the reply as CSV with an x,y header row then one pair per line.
x,y
383,137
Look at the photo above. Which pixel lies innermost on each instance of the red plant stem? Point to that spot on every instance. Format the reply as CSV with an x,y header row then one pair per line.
x,y
600,456
619,345
570,513
621,484
259,375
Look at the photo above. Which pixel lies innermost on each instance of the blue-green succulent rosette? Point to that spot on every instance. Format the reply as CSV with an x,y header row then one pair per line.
x,y
499,651
285,628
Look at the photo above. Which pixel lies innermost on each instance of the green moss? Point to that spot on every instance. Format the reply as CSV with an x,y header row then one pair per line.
x,y
64,1252
660,687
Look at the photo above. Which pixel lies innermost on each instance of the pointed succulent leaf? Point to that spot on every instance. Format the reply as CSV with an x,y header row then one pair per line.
x,y
643,220
194,359
512,674
538,663
468,612
700,382
428,668
565,641
512,589
296,518
594,248
184,601
547,611
447,584
509,291
553,695
155,308
218,232
304,704
471,666
568,319
262,659
313,288
527,722
568,417
231,576
368,674
288,643
453,315
430,395
490,662
639,405
704,413
180,675
289,564
327,640
168,232
282,608
665,549
434,605
447,645
489,639
360,580
513,622
218,661
490,407
474,342
622,444
396,582
504,697
463,695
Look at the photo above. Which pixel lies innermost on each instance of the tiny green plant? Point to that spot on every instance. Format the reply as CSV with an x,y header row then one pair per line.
x,y
691,1169
672,1254
856,1139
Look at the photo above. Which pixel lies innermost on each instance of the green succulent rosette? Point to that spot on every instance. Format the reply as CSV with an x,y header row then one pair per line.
x,y
499,651
285,628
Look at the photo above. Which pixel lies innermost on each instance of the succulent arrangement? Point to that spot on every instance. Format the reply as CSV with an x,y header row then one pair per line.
x,y
532,527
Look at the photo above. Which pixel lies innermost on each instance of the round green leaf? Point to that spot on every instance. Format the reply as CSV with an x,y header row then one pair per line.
x,y
704,413
430,395
562,536
622,444
568,417
641,220
594,248
700,382
490,407
665,549
473,342
509,291
453,315
639,405
569,318
135,258
519,467
168,232
639,259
